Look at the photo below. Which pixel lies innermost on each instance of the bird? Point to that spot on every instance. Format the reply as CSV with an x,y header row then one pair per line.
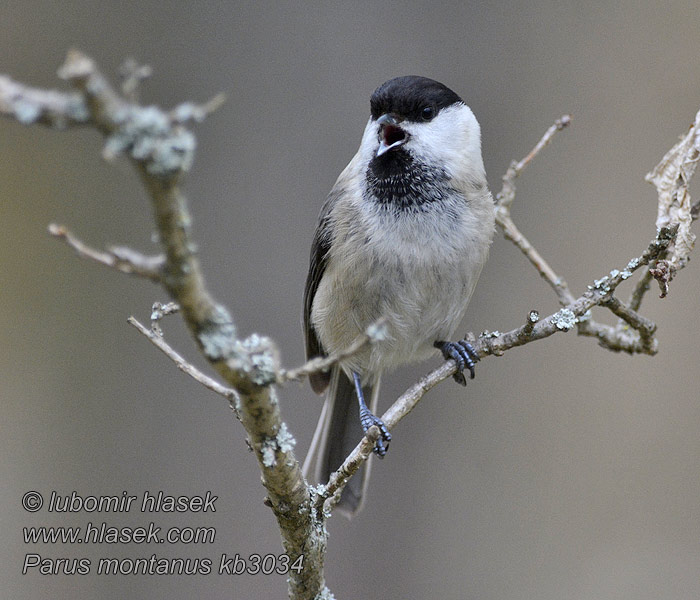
x,y
401,238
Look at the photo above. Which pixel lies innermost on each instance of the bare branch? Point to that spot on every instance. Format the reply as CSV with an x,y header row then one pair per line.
x,y
230,394
46,107
565,319
397,411
132,74
374,332
512,233
120,258
504,201
188,112
162,149
679,162
159,311
644,326
641,288
339,478
671,177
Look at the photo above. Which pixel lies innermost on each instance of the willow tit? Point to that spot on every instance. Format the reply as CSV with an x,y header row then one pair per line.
x,y
402,237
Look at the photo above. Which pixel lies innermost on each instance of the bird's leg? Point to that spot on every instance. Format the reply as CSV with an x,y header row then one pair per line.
x,y
463,354
367,419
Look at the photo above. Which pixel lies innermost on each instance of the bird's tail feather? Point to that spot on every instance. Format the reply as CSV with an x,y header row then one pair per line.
x,y
337,433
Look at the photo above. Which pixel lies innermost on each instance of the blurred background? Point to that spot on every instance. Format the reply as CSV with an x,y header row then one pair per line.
x,y
562,471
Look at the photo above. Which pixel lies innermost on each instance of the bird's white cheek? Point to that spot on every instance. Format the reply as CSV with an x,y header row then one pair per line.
x,y
451,141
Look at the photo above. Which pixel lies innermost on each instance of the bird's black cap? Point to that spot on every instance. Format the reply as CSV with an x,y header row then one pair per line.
x,y
407,97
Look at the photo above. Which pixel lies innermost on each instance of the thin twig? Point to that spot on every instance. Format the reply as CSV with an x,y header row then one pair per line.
x,y
120,258
632,318
641,288
47,107
229,393
513,234
644,326
504,201
132,74
189,112
374,332
397,411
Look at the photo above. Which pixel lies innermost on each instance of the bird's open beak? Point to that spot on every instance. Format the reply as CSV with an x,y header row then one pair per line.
x,y
390,134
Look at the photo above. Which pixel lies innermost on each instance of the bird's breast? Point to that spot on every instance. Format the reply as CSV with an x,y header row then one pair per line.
x,y
415,270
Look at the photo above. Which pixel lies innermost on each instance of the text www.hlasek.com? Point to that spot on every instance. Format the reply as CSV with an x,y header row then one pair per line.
x,y
104,534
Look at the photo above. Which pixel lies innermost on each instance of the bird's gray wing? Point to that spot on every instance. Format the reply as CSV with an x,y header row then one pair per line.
x,y
317,266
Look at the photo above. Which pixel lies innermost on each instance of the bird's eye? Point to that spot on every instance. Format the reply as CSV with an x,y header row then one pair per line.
x,y
427,113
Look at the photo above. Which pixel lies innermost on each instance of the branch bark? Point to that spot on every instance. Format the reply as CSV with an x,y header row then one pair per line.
x,y
161,149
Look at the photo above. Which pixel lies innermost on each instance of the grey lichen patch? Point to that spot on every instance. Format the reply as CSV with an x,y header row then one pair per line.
x,y
633,264
172,154
324,594
317,491
533,316
601,284
268,451
25,111
489,334
585,316
148,136
564,320
285,440
260,360
218,336
218,343
77,109
236,406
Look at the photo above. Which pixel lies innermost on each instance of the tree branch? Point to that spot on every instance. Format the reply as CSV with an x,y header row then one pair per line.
x,y
45,107
374,332
162,148
504,201
120,258
156,339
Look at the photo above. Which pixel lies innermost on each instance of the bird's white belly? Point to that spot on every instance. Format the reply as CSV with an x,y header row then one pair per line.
x,y
422,296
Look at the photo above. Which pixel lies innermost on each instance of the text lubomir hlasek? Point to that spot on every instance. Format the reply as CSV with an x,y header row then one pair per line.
x,y
151,503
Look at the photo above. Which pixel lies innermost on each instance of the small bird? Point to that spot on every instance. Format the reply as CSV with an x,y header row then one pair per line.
x,y
402,236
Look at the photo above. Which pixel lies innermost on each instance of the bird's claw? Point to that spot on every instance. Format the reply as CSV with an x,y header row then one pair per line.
x,y
463,353
367,419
